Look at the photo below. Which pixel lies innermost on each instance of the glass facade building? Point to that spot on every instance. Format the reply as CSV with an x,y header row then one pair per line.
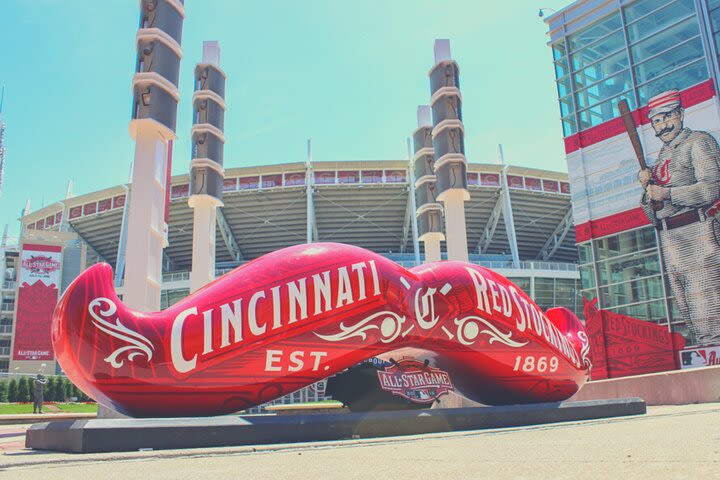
x,y
636,51
604,52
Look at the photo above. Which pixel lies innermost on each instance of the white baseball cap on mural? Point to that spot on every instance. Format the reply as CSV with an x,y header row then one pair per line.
x,y
664,102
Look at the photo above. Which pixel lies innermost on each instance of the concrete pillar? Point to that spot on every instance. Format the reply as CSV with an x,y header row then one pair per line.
x,y
448,138
428,210
206,168
155,99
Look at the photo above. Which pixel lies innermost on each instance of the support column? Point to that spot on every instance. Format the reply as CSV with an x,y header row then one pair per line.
x,y
429,212
413,204
206,168
309,181
507,211
448,136
155,99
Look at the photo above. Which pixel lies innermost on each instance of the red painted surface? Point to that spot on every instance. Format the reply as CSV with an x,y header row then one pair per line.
x,y
610,225
298,315
690,97
621,345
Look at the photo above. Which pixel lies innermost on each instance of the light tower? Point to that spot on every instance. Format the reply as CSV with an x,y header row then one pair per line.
x,y
448,136
155,99
206,166
429,211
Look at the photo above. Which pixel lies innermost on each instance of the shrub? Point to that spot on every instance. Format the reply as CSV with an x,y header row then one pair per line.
x,y
50,389
12,390
3,392
23,392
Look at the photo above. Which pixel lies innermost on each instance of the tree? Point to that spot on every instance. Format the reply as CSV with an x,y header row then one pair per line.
x,y
23,392
3,391
50,389
68,389
12,391
59,393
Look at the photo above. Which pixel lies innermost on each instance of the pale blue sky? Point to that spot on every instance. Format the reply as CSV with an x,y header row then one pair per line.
x,y
348,74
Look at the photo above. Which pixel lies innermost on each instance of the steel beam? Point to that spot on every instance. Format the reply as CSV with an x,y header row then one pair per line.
x,y
228,236
489,232
556,238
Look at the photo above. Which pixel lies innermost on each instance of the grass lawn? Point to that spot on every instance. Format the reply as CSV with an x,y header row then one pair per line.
x,y
19,408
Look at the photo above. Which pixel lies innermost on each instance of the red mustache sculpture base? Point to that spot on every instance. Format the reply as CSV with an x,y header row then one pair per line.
x,y
301,314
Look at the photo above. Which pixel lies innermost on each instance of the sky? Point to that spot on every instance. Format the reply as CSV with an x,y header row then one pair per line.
x,y
349,74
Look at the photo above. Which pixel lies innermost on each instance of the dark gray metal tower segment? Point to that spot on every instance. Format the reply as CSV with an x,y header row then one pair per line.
x,y
155,84
448,132
208,139
429,211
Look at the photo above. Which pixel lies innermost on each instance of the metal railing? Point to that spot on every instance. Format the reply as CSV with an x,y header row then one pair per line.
x,y
4,351
7,307
9,285
491,264
5,329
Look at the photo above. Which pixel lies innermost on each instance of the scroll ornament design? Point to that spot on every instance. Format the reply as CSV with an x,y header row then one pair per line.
x,y
138,344
388,323
469,328
585,350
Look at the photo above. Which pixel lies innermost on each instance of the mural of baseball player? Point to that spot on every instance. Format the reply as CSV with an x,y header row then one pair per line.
x,y
680,195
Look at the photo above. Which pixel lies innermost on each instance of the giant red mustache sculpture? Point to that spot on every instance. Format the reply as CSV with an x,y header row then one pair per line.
x,y
298,315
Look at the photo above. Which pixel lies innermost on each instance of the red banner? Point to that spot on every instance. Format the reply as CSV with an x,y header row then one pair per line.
x,y
610,225
621,345
39,282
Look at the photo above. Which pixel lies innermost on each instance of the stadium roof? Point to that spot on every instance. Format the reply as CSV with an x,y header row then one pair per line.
x,y
364,203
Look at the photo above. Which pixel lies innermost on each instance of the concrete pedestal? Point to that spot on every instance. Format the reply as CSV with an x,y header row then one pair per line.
x,y
87,436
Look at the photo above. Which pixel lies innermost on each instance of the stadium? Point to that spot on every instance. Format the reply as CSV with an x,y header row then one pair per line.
x,y
364,203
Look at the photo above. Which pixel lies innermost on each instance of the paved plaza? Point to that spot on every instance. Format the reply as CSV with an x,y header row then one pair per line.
x,y
671,442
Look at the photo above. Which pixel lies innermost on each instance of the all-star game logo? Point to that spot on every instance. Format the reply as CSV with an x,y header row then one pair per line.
x,y
414,380
41,264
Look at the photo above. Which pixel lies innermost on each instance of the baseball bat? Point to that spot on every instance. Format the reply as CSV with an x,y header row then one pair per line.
x,y
631,129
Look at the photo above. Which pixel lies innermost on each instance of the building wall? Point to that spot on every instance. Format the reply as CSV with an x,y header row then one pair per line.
x,y
604,52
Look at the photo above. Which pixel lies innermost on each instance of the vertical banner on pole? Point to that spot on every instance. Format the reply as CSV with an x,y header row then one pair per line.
x,y
38,288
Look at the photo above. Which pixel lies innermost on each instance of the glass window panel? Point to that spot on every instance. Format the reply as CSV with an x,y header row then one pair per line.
x,y
593,32
670,60
642,7
713,4
566,293
715,19
660,19
681,79
558,49
605,111
636,291
563,86
585,253
561,68
664,40
609,45
628,267
545,293
603,90
522,282
624,243
602,69
566,107
587,276
569,126
651,311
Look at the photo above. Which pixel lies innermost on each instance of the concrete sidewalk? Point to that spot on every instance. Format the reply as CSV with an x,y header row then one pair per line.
x,y
669,442
23,418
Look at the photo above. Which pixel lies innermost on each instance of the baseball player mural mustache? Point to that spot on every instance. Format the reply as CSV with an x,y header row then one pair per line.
x,y
680,197
301,314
